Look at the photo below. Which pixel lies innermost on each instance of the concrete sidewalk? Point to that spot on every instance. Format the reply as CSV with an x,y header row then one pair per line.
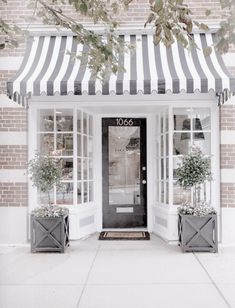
x,y
117,274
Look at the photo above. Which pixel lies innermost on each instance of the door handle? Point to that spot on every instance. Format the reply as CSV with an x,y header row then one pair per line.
x,y
144,182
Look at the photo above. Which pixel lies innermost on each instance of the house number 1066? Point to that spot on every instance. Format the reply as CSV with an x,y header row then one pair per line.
x,y
124,122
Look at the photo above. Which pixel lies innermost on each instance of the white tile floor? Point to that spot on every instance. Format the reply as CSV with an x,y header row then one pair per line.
x,y
117,274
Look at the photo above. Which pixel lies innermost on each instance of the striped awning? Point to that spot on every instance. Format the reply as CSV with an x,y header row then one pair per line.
x,y
49,68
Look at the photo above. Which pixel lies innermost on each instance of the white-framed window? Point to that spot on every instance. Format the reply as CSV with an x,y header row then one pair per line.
x,y
177,130
69,133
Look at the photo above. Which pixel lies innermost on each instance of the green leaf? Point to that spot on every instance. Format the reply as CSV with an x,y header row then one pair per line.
x,y
207,51
208,12
204,27
83,8
158,6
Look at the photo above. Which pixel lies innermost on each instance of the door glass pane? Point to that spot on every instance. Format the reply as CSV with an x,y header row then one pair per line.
x,y
64,120
45,120
45,143
64,195
65,144
124,165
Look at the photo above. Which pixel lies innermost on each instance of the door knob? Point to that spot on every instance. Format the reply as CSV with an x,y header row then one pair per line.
x,y
144,182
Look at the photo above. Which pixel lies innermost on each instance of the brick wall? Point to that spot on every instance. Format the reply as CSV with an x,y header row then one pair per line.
x,y
13,194
13,156
227,117
227,195
13,119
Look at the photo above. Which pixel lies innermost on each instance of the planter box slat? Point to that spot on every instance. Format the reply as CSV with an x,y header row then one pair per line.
x,y
198,233
49,233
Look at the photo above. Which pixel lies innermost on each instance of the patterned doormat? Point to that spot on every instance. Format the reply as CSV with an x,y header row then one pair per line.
x,y
128,236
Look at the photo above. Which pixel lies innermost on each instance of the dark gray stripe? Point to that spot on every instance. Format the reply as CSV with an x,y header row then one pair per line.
x,y
146,69
81,71
22,66
158,63
120,74
202,75
64,81
50,82
32,68
36,85
133,72
174,76
224,68
187,73
218,80
105,84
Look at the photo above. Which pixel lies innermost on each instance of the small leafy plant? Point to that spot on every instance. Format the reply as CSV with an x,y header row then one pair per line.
x,y
194,171
45,172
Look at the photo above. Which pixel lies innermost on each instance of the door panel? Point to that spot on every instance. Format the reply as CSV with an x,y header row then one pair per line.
x,y
124,172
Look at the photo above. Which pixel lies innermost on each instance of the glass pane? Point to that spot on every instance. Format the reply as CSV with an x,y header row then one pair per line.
x,y
84,146
46,120
45,143
181,195
65,144
79,193
90,125
90,169
85,169
157,191
64,195
124,165
67,164
64,120
85,192
42,198
203,141
181,143
167,144
177,161
167,168
167,123
85,123
204,193
167,192
201,119
162,192
162,145
79,169
90,146
181,119
157,148
79,145
161,124
91,191
162,169
79,121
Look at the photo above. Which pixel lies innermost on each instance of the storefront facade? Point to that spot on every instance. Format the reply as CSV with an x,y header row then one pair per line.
x,y
121,141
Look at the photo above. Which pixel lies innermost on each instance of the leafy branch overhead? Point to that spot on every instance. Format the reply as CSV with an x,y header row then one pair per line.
x,y
171,20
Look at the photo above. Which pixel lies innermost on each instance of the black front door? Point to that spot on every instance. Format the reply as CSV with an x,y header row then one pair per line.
x,y
124,172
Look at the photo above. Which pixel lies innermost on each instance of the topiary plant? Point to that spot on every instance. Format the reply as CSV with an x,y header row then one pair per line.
x,y
45,172
195,170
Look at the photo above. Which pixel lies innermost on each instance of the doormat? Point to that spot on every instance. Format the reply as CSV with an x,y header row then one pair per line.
x,y
127,236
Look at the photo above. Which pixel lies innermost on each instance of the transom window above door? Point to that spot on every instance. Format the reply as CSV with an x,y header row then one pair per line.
x,y
68,134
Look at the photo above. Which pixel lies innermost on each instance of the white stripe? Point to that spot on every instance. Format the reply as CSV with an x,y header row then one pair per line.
x,y
38,68
13,138
165,66
51,67
16,83
64,64
193,71
152,65
178,67
13,175
76,65
225,79
127,65
201,57
139,63
86,78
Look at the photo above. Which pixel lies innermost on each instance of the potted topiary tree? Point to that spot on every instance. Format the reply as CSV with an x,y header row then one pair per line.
x,y
197,222
49,223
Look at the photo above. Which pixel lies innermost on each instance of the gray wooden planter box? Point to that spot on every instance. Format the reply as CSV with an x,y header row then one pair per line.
x,y
49,233
198,233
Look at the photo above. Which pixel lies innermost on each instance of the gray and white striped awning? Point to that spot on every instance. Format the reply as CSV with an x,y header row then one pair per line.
x,y
49,68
